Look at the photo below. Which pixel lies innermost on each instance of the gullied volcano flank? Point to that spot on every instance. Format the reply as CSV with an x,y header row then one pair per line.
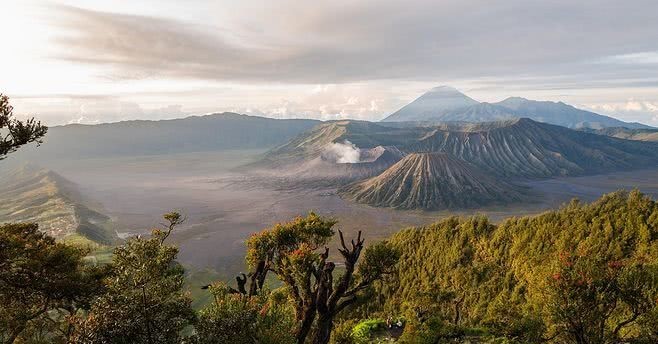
x,y
431,181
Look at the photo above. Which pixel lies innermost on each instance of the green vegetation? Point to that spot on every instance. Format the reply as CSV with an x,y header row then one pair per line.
x,y
586,273
140,297
365,330
41,281
143,300
265,318
291,251
16,133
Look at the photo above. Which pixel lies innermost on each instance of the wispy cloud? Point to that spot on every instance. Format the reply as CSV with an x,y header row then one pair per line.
x,y
649,57
364,59
632,110
334,42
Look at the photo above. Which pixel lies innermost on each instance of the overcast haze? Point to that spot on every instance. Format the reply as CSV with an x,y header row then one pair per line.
x,y
104,61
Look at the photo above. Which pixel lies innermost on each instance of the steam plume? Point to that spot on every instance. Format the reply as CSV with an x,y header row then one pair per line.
x,y
343,153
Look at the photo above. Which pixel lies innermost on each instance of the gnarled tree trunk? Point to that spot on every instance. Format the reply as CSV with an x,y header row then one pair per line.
x,y
323,332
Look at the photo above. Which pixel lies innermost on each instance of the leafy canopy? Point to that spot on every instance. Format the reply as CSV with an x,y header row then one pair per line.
x,y
41,279
15,133
144,300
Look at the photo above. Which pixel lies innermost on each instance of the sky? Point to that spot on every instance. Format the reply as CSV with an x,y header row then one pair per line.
x,y
93,61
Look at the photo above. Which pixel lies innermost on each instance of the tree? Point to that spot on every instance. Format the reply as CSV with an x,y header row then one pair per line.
x,y
15,133
594,301
292,252
41,280
241,319
144,300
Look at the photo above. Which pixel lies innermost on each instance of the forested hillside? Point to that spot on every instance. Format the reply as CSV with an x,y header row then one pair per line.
x,y
586,273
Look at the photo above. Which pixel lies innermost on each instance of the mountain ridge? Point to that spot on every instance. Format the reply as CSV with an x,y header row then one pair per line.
x,y
526,148
144,137
516,148
428,108
32,194
650,135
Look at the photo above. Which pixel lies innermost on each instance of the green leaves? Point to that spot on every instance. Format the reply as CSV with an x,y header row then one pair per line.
x,y
40,278
237,318
378,260
18,133
598,300
144,301
303,233
584,261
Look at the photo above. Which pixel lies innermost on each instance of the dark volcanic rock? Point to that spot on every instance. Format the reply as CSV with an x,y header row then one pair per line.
x,y
432,181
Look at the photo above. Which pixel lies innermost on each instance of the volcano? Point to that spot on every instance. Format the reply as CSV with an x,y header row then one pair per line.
x,y
432,181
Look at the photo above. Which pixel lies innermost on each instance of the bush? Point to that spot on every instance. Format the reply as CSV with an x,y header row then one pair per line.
x,y
342,333
434,330
362,332
237,318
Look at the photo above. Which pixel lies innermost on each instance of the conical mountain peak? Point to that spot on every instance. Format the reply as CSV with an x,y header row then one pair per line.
x,y
431,180
444,88
432,103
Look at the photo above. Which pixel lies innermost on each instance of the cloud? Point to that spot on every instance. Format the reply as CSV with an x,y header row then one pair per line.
x,y
339,42
650,57
333,102
632,110
327,59
91,109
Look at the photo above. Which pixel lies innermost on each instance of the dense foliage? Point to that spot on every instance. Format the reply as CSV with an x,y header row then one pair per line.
x,y
144,301
292,252
41,280
265,318
585,273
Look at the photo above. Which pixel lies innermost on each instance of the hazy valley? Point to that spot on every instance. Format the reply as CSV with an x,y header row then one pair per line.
x,y
358,172
294,172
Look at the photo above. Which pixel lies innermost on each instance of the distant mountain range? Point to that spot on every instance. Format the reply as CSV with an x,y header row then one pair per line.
x,y
32,194
446,104
223,131
479,159
448,152
442,107
512,148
